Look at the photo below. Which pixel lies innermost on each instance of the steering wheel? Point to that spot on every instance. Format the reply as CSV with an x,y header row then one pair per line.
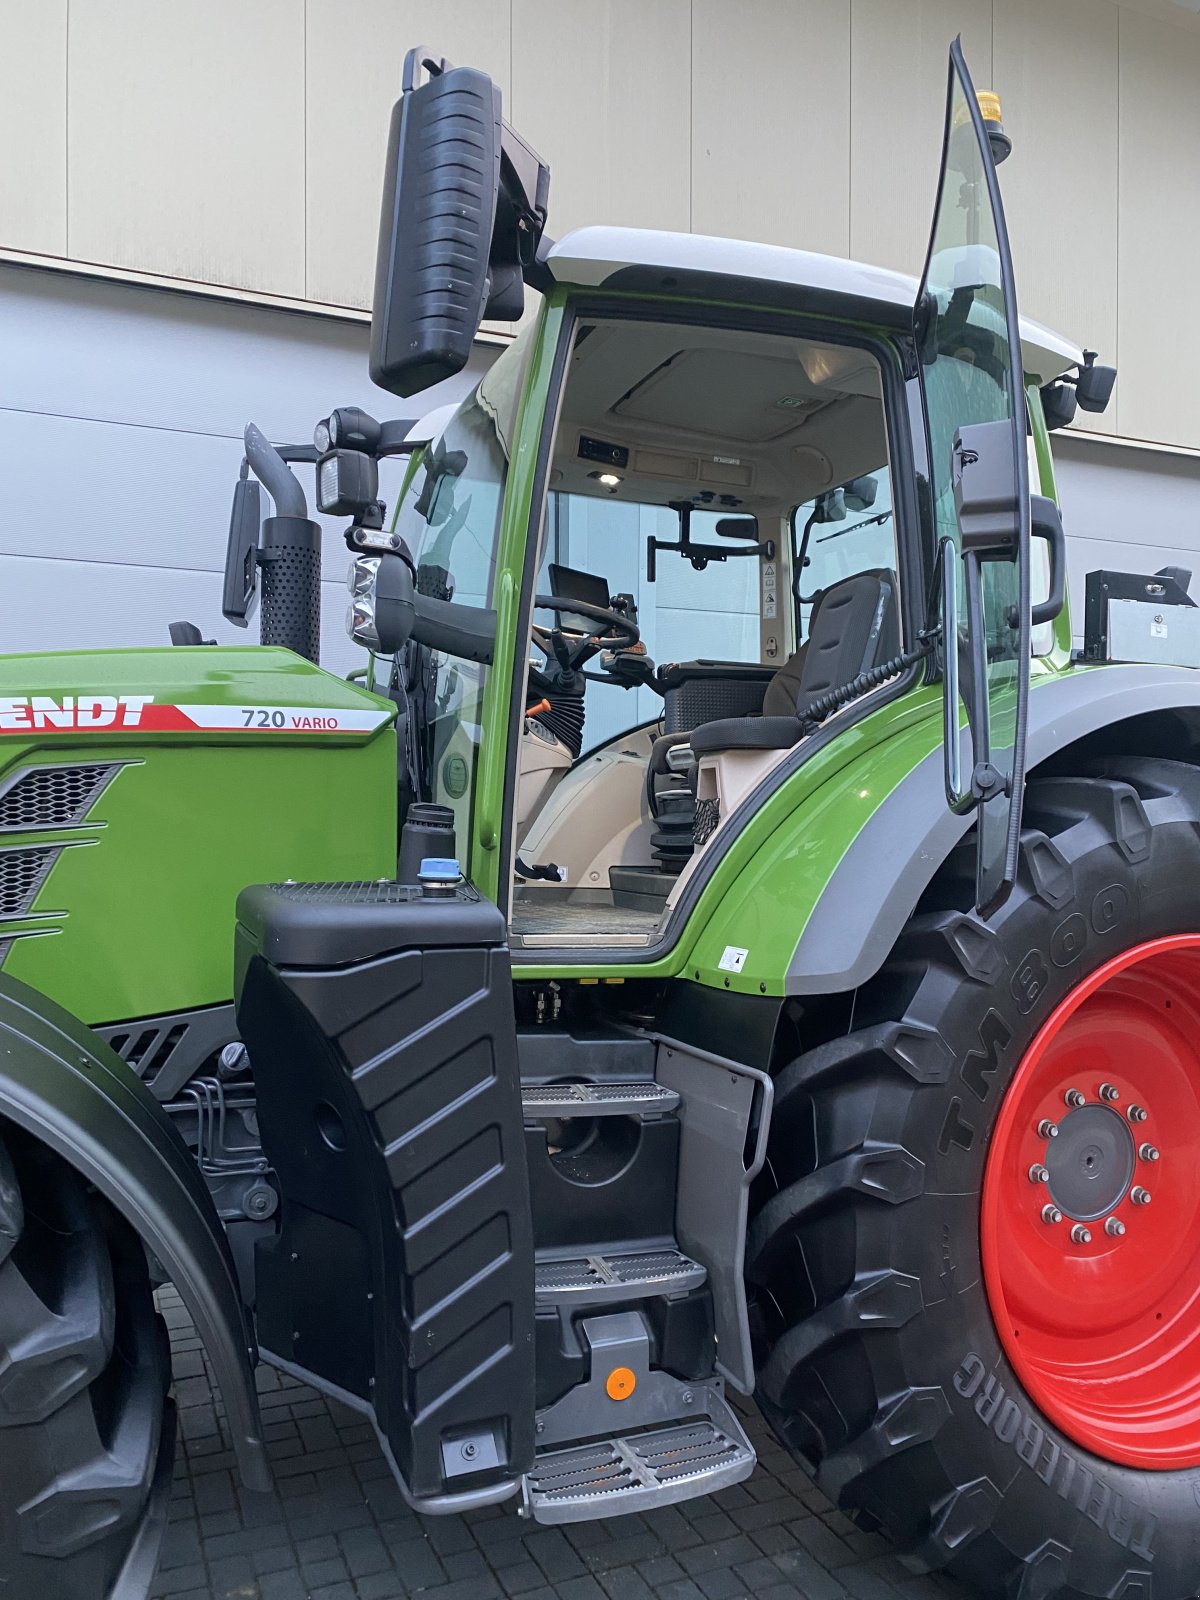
x,y
621,633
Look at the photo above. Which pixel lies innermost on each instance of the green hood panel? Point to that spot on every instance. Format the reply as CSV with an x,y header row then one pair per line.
x,y
214,693
123,905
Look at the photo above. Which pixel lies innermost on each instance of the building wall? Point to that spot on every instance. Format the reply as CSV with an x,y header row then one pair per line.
x,y
121,418
240,142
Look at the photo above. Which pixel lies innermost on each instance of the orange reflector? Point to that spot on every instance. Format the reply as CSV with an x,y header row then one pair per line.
x,y
620,1383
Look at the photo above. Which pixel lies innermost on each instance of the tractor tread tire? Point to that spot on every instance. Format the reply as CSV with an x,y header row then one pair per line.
x,y
878,1362
86,1429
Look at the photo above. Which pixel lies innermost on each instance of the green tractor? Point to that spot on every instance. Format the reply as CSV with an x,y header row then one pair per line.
x,y
728,942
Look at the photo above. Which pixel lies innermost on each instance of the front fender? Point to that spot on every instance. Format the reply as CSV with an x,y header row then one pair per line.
x,y
908,836
65,1086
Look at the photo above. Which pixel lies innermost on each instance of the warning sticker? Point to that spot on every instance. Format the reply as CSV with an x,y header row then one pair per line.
x,y
734,958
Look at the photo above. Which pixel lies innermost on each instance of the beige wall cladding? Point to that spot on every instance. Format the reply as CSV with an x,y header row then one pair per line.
x,y
33,126
602,90
897,110
186,139
1056,63
771,122
349,94
241,142
1160,231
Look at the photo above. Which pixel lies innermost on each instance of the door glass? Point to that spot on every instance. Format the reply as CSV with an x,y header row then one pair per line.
x,y
971,365
449,517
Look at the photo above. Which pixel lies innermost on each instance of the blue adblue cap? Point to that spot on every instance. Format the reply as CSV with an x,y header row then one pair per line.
x,y
441,869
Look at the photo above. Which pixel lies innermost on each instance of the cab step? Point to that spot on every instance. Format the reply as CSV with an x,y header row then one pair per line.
x,y
586,1280
638,1472
564,1100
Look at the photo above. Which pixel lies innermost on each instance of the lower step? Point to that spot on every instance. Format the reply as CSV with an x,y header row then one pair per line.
x,y
656,1468
563,1100
595,1279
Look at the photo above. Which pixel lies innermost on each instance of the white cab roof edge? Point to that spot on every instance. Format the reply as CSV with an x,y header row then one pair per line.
x,y
591,256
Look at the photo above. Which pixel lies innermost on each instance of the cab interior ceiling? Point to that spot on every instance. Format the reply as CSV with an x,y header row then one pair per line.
x,y
730,418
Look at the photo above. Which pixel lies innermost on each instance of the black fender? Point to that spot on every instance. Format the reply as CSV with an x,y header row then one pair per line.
x,y
66,1087
887,868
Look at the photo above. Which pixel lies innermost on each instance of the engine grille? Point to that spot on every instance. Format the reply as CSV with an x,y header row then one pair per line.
x,y
52,796
22,873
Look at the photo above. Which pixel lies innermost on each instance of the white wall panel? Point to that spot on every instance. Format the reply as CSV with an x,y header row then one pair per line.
x,y
121,417
771,122
1056,67
603,92
1156,395
349,94
186,139
33,125
897,111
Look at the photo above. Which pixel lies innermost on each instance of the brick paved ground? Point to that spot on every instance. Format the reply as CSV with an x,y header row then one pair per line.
x,y
337,1529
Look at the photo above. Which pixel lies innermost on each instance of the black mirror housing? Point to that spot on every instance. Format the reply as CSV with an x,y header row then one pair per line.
x,y
241,553
738,528
1058,404
988,514
441,179
464,207
1094,386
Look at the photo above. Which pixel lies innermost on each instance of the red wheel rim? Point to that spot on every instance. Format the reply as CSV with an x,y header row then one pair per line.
x,y
1099,1312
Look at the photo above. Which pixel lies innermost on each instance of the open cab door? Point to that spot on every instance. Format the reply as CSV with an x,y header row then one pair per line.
x,y
970,348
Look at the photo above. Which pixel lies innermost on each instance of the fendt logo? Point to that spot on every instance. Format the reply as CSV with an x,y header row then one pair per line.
x,y
38,712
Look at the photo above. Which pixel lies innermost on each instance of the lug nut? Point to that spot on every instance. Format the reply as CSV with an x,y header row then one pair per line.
x,y
1109,1092
1139,1196
1114,1228
1038,1173
1051,1214
1074,1099
1136,1113
1147,1152
1080,1234
1047,1129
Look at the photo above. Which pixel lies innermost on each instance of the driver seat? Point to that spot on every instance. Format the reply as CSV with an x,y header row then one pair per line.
x,y
854,625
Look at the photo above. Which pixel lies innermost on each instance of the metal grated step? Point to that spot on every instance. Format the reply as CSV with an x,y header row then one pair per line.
x,y
593,1280
597,1100
638,1472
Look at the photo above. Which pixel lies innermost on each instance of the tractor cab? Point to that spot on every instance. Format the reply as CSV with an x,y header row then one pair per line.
x,y
692,525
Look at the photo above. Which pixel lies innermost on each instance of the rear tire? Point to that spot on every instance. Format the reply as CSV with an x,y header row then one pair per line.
x,y
86,1430
879,1358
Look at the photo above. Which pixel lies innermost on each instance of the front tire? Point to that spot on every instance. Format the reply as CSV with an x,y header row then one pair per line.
x,y
898,1252
86,1430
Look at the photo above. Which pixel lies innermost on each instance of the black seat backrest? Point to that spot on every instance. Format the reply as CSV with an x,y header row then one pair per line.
x,y
854,625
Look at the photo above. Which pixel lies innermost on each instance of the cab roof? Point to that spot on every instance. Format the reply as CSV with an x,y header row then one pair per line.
x,y
767,274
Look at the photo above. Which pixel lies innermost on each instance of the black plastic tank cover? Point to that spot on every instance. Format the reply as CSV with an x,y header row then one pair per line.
x,y
379,1022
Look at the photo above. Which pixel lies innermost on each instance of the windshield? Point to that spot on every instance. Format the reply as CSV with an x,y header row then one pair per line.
x,y
449,517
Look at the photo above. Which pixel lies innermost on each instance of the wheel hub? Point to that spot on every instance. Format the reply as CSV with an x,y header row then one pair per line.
x,y
1094,1289
1090,1163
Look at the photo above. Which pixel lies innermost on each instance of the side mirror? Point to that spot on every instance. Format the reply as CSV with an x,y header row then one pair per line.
x,y
464,206
241,553
860,493
1094,386
989,517
1058,404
